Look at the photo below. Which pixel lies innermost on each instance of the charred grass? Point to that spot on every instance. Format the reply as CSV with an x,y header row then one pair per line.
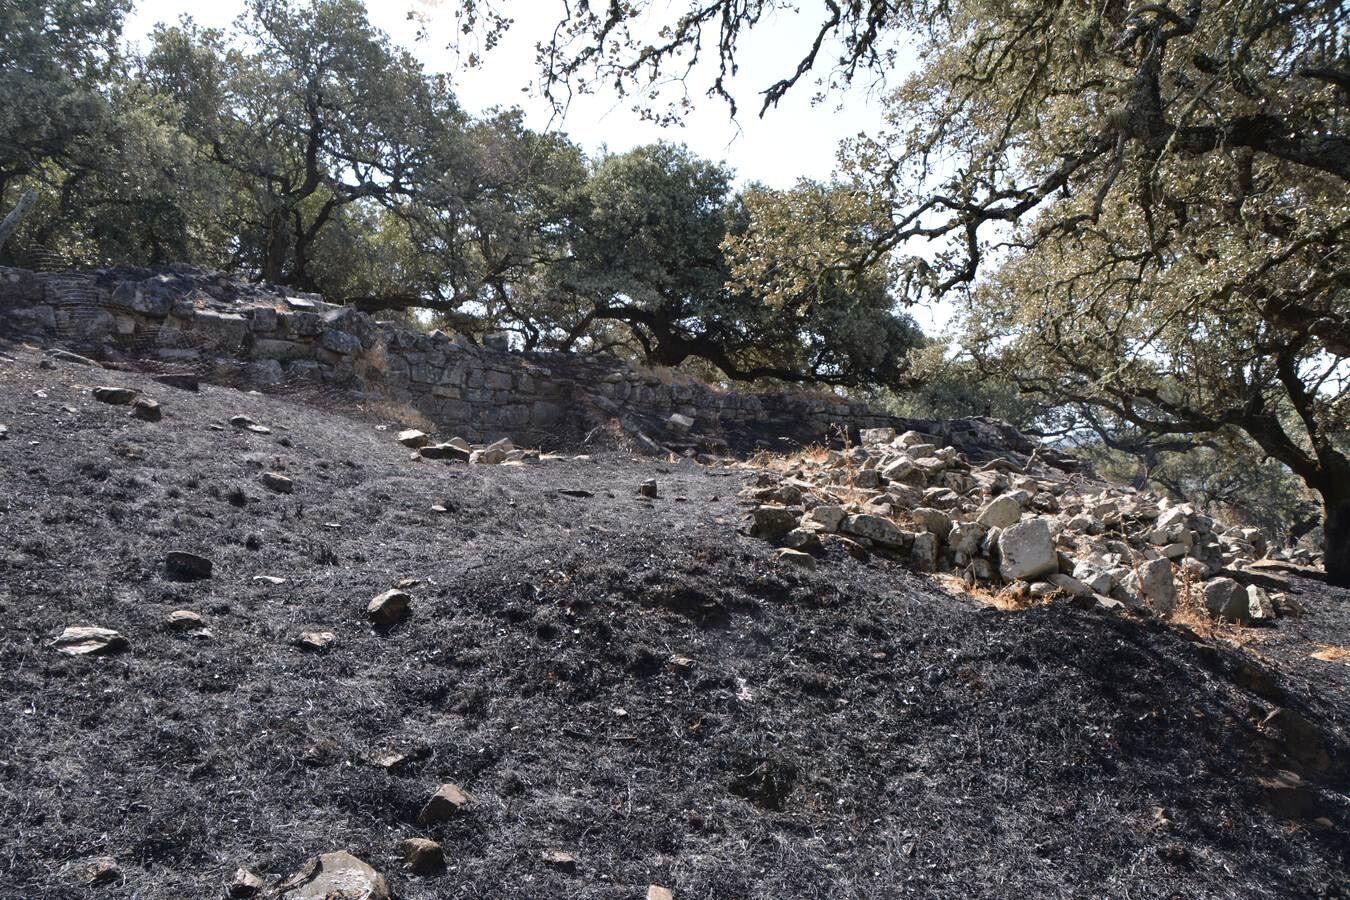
x,y
634,682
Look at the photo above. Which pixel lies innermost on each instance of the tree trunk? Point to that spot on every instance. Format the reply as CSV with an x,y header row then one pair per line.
x,y
1336,544
7,227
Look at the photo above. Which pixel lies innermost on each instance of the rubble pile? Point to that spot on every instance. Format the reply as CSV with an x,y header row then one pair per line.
x,y
1027,523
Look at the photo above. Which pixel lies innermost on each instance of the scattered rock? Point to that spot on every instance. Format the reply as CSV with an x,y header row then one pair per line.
x,y
245,883
449,450
247,424
316,641
422,856
656,892
146,410
796,558
489,456
183,381
100,870
187,621
275,481
413,438
66,356
449,801
560,860
772,522
334,876
648,488
389,608
117,396
183,566
1259,605
270,579
90,640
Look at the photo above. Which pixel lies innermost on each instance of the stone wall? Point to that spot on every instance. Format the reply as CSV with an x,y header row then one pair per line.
x,y
226,330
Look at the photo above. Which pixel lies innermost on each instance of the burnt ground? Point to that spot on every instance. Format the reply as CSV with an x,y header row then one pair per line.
x,y
848,732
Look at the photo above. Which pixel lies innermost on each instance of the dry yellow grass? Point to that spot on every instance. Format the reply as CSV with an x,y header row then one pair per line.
x,y
1004,599
1332,653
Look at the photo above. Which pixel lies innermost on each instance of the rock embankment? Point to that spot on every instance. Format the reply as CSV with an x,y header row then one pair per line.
x,y
1015,522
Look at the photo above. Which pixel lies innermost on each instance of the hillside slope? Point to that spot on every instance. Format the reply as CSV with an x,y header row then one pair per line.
x,y
634,682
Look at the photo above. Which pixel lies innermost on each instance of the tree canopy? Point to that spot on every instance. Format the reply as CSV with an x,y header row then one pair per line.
x,y
301,147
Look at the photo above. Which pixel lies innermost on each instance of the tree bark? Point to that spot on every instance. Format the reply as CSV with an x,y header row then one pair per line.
x,y
21,209
1336,540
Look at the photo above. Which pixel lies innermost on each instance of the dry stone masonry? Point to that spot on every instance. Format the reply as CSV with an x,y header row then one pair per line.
x,y
196,325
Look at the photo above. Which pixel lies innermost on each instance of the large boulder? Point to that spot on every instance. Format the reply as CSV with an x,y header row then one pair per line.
x,y
1027,551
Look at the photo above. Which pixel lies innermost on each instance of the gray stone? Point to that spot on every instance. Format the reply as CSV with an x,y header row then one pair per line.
x,y
275,481
1001,512
796,558
90,640
146,410
1155,584
316,641
873,436
334,876
1226,599
1070,585
341,342
117,396
875,528
422,856
932,520
245,883
448,450
804,539
1027,551
966,537
185,566
924,551
828,516
413,438
389,608
772,522
183,381
60,355
449,801
1259,605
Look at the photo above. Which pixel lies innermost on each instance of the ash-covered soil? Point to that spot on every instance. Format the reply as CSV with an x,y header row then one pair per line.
x,y
846,732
